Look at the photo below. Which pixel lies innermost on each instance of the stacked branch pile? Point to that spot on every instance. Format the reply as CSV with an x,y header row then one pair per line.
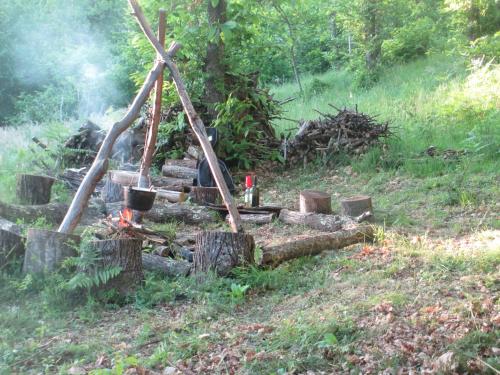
x,y
348,131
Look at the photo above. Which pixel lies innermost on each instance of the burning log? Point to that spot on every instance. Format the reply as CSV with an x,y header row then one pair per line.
x,y
316,202
46,250
222,251
33,189
11,247
125,253
179,172
168,267
328,223
356,206
279,251
205,195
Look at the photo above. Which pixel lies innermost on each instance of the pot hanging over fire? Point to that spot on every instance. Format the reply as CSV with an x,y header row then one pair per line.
x,y
139,199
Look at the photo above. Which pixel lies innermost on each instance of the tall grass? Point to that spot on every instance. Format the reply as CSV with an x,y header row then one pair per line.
x,y
435,101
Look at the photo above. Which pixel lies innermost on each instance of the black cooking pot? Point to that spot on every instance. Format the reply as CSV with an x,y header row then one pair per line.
x,y
139,199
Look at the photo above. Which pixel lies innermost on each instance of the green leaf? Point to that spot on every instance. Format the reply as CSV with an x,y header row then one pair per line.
x,y
230,24
214,3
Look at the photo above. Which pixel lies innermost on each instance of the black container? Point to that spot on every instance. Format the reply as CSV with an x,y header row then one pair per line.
x,y
139,199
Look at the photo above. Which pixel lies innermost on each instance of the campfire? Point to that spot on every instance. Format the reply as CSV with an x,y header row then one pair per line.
x,y
126,218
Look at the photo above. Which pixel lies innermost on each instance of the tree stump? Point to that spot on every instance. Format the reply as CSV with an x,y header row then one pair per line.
x,y
125,253
11,247
112,191
205,195
46,250
33,189
222,251
315,201
357,205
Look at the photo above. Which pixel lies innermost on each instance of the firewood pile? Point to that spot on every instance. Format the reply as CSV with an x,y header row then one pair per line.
x,y
348,131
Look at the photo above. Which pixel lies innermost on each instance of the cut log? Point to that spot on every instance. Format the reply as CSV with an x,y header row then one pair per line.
x,y
187,163
52,212
112,191
279,251
127,178
161,213
10,226
166,266
255,218
222,251
33,189
46,250
179,172
11,247
205,195
171,196
315,201
329,223
125,253
357,205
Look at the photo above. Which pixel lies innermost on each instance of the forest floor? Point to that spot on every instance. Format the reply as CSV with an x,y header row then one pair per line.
x,y
422,298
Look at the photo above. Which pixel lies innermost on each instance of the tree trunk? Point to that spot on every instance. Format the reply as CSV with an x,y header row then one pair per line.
x,y
168,267
46,250
11,247
204,195
193,117
215,68
52,212
316,202
179,172
222,251
328,223
356,206
280,251
33,189
125,253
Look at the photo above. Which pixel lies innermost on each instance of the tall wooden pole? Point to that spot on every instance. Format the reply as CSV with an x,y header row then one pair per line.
x,y
152,133
194,120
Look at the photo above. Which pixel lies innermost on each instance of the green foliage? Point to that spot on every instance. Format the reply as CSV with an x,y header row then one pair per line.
x,y
238,292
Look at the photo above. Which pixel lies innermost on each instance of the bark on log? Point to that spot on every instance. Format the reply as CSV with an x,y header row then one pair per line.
x,y
171,196
187,163
152,133
179,172
166,266
330,223
11,247
10,226
194,119
255,218
315,201
278,252
46,250
205,195
126,178
161,213
125,253
53,212
33,189
222,251
357,205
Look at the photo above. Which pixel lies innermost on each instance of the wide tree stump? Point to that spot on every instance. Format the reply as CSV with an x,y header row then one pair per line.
x,y
222,251
357,205
329,223
11,247
316,202
46,250
205,195
112,191
179,171
125,253
33,189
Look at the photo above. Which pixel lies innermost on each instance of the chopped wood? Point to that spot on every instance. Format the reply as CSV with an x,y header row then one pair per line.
x,y
205,195
179,172
315,201
357,205
279,251
187,163
171,196
166,266
256,218
329,223
127,178
10,226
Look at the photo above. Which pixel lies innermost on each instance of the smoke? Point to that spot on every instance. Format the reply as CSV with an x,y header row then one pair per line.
x,y
58,45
